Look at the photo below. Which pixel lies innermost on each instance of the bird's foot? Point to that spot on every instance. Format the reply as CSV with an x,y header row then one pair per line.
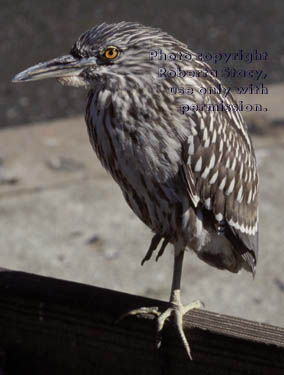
x,y
177,310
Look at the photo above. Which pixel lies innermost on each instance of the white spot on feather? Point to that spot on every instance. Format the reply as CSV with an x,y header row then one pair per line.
x,y
254,194
219,216
211,123
212,161
214,137
240,194
207,143
191,145
205,173
213,178
231,187
233,166
205,134
198,165
249,175
222,183
249,197
241,170
208,203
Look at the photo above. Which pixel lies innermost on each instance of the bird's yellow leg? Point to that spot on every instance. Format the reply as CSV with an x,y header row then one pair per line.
x,y
176,309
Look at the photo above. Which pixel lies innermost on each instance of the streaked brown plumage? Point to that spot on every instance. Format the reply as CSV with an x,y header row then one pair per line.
x,y
189,175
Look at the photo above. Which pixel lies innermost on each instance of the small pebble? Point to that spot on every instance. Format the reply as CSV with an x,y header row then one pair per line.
x,y
62,164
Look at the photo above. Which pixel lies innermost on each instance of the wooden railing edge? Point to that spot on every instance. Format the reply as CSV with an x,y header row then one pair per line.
x,y
57,326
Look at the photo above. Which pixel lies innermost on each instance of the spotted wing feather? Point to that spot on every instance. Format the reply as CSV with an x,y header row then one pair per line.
x,y
221,174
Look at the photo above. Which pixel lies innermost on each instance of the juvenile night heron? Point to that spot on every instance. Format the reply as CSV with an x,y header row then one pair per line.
x,y
189,175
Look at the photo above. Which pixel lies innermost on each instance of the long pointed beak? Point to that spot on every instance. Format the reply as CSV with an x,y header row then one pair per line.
x,y
59,67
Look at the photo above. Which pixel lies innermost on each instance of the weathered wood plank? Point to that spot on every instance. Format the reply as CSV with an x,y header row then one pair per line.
x,y
50,326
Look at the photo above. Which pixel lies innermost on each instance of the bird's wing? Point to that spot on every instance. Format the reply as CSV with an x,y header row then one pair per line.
x,y
220,173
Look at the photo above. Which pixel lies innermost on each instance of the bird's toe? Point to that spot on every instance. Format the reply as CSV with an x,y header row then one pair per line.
x,y
142,311
193,305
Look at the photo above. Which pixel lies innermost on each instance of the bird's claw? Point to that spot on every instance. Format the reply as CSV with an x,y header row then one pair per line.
x,y
175,310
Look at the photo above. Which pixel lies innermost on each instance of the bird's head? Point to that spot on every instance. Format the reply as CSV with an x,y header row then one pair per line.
x,y
109,54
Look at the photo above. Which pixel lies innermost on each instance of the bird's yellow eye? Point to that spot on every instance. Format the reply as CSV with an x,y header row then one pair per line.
x,y
111,53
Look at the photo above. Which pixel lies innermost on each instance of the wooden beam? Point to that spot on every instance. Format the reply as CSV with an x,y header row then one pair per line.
x,y
50,326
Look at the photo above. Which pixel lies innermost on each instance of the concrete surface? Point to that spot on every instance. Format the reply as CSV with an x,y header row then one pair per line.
x,y
61,215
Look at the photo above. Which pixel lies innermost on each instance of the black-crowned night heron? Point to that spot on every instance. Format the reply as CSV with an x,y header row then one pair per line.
x,y
183,159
